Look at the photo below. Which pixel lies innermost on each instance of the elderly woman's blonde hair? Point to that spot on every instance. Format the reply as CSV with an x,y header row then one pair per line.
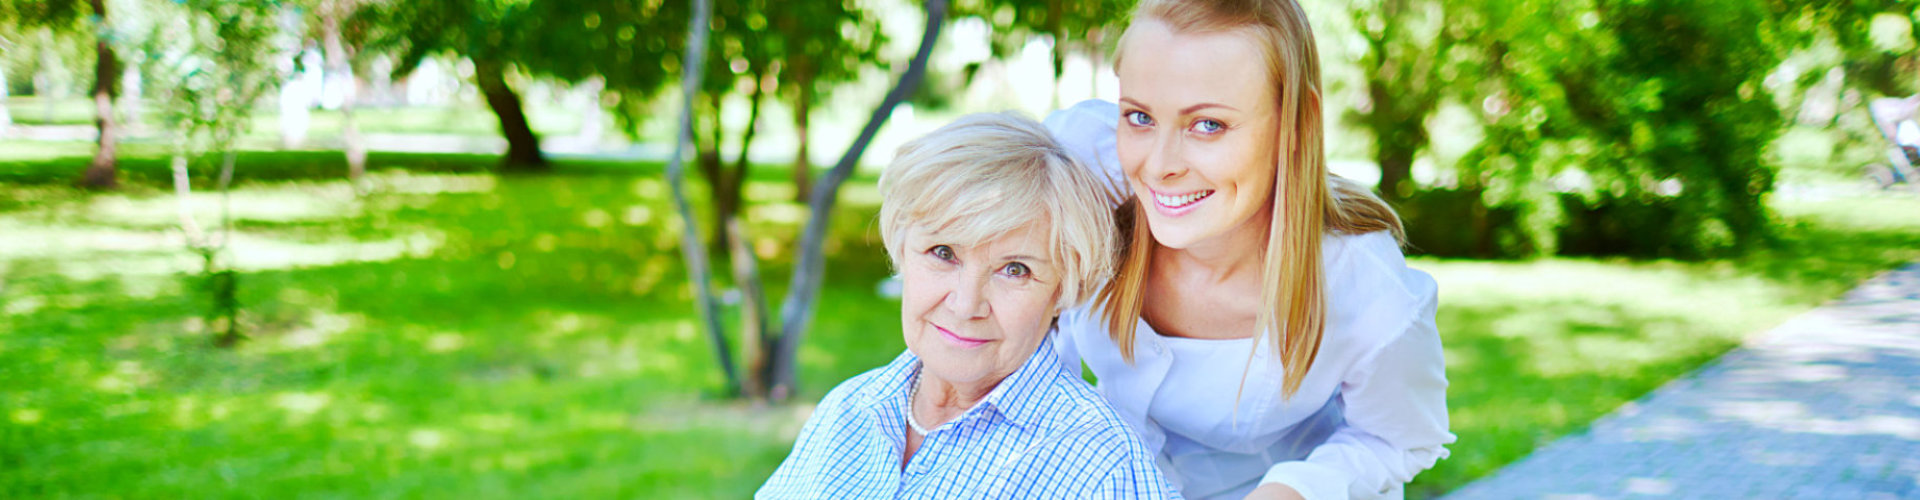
x,y
987,174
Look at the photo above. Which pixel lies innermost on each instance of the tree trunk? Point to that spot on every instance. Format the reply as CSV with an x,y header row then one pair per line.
x,y
337,64
523,147
746,272
223,284
48,86
737,180
1396,169
696,257
757,346
796,311
1398,124
101,172
707,157
802,166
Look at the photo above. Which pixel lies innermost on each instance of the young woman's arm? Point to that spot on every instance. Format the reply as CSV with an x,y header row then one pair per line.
x,y
1396,416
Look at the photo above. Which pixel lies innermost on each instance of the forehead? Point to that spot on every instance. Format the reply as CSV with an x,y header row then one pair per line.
x,y
1162,67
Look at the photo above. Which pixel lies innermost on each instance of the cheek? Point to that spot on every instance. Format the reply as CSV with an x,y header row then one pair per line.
x,y
1027,313
1132,153
919,289
1248,166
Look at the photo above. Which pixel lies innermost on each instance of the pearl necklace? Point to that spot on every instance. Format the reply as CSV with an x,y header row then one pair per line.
x,y
911,395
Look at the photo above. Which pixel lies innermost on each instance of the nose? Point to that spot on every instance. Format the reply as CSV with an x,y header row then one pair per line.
x,y
1164,160
968,298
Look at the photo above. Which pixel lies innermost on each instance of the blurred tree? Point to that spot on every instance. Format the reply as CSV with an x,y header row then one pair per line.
x,y
772,355
218,58
1407,67
698,272
332,15
1084,26
1614,94
493,35
820,46
75,16
1877,39
769,49
809,268
628,44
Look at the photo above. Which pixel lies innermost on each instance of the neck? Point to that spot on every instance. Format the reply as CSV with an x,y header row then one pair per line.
x,y
949,398
1220,259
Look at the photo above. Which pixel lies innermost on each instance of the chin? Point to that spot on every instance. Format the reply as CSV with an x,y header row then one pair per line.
x,y
1175,237
958,373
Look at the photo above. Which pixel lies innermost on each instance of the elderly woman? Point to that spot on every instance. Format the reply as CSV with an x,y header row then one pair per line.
x,y
994,230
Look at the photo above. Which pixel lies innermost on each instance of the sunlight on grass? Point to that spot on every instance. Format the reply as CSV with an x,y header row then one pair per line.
x,y
403,182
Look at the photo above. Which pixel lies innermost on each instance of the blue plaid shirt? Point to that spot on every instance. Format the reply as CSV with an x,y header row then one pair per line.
x,y
1041,433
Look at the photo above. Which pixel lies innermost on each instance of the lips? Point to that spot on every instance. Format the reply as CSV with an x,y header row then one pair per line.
x,y
1182,200
962,342
1174,203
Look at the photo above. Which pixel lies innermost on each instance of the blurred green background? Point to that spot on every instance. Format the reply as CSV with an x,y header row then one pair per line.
x,y
494,303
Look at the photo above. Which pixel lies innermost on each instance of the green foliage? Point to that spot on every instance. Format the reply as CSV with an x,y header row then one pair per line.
x,y
799,51
52,40
1877,39
821,45
211,61
1607,100
21,15
1081,25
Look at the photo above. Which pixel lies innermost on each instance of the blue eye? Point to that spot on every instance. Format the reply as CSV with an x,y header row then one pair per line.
x,y
1138,119
1205,126
1017,270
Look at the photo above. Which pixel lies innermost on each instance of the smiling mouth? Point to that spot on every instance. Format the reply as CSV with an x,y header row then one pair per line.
x,y
959,340
1181,201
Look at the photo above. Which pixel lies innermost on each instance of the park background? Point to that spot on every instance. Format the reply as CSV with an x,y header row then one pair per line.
x,y
384,248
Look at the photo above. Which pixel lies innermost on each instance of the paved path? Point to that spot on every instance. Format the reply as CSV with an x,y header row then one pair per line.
x,y
1824,406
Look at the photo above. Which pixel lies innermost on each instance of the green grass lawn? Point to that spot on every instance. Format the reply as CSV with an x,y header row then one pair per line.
x,y
462,334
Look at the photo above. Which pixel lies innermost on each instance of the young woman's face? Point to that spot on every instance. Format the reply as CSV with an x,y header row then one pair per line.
x,y
1198,133
975,313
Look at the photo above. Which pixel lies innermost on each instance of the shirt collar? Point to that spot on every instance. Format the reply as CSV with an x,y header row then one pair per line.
x,y
1019,397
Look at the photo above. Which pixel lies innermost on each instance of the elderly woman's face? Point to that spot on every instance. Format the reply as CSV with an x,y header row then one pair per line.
x,y
974,313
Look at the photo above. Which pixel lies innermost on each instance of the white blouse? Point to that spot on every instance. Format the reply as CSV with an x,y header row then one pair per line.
x,y
1370,414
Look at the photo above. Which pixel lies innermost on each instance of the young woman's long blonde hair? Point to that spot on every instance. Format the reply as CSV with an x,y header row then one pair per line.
x,y
1308,200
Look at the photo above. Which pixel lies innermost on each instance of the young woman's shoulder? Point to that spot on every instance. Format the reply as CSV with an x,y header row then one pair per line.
x,y
1370,289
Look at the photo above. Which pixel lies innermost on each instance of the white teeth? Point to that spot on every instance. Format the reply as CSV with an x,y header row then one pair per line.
x,y
1180,201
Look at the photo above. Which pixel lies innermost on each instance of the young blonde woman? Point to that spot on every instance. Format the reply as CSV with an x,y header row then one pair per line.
x,y
1263,332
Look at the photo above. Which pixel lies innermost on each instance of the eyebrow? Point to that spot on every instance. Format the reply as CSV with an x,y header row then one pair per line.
x,y
1205,105
1026,258
1188,111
